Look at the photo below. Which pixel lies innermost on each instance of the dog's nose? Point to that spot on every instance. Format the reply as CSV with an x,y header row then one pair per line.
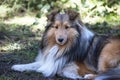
x,y
60,39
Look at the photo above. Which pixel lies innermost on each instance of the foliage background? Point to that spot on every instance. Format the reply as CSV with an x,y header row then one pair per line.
x,y
107,9
22,24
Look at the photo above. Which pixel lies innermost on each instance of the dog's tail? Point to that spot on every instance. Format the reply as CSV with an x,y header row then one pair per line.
x,y
113,74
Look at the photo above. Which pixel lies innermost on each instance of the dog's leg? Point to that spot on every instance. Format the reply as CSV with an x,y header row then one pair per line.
x,y
31,66
70,71
26,67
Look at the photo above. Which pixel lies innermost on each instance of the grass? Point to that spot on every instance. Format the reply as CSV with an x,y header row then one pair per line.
x,y
19,43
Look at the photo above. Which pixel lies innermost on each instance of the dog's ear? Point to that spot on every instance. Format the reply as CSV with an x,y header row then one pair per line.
x,y
72,14
52,14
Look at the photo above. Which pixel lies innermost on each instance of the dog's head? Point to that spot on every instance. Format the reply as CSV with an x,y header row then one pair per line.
x,y
60,29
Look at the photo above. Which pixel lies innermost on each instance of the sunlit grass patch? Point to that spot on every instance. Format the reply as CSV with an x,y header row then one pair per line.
x,y
11,47
4,11
25,20
35,23
19,39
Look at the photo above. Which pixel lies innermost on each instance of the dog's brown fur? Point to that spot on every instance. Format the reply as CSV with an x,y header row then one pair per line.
x,y
109,56
83,69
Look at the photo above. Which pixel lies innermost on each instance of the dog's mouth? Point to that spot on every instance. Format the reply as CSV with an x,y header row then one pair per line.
x,y
60,43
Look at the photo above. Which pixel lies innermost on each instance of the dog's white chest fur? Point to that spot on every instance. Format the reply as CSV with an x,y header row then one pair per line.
x,y
49,64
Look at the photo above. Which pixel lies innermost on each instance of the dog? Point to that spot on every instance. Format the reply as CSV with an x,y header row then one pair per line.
x,y
71,50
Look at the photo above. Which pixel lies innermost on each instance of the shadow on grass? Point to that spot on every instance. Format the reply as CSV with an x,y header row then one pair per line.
x,y
21,34
18,39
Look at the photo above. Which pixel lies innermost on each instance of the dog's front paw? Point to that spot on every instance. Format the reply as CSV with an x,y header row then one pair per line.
x,y
39,70
90,76
18,68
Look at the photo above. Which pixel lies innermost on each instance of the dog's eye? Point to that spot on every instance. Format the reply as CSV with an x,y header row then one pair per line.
x,y
56,27
66,27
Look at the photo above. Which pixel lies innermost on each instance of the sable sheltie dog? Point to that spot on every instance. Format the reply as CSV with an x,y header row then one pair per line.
x,y
71,50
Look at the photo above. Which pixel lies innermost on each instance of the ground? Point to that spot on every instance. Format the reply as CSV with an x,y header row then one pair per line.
x,y
20,44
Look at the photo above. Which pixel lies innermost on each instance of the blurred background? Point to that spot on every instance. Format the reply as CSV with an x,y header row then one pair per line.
x,y
22,24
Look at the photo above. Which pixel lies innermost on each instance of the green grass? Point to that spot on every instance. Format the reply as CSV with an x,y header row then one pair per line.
x,y
18,39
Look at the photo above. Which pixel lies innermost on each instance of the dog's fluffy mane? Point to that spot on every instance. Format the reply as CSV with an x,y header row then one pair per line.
x,y
82,47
